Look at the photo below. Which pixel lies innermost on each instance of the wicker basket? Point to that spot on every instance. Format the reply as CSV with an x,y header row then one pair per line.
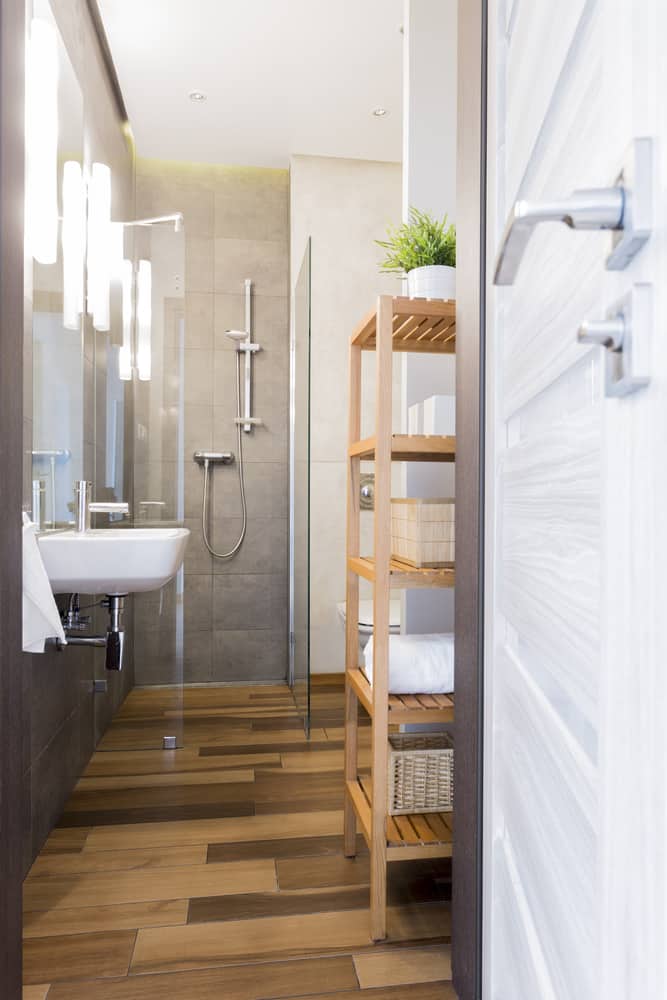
x,y
421,773
422,531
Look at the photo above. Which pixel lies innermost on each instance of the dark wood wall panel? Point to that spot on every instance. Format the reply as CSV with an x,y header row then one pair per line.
x,y
470,318
12,28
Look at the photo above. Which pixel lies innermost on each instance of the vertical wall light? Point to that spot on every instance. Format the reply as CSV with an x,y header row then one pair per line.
x,y
123,272
74,243
125,352
42,142
144,320
99,245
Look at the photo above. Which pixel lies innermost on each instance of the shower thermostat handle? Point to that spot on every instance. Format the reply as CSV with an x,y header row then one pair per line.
x,y
214,457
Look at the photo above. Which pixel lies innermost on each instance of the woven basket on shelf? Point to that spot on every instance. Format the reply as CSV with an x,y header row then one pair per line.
x,y
421,773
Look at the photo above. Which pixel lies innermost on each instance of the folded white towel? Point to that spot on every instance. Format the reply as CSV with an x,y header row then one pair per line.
x,y
418,664
41,620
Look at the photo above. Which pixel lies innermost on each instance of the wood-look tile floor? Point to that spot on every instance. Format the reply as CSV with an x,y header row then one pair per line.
x,y
215,872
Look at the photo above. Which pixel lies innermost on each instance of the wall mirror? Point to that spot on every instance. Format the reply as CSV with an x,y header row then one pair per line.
x,y
61,429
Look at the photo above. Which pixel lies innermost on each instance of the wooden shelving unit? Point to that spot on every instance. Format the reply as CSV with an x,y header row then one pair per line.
x,y
396,324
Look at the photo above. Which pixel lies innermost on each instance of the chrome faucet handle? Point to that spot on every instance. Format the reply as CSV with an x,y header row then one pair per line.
x,y
82,490
111,507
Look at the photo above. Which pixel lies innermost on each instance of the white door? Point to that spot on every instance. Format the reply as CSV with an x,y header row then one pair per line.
x,y
576,581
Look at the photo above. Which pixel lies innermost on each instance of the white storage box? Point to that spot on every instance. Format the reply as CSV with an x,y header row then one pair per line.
x,y
422,531
416,418
440,415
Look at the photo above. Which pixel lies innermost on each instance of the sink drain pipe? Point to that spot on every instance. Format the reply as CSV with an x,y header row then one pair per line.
x,y
114,639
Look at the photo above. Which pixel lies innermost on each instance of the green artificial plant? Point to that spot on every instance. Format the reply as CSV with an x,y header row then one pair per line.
x,y
420,242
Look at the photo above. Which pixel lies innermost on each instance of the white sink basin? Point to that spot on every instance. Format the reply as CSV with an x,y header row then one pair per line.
x,y
112,560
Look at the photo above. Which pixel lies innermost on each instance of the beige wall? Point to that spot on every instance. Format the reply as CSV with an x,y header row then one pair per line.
x,y
344,205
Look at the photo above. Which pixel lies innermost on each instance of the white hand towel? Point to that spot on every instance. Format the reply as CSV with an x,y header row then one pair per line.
x,y
418,664
41,620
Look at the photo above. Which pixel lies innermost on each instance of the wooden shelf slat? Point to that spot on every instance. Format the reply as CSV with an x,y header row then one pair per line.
x,y
409,837
404,709
410,448
402,576
423,325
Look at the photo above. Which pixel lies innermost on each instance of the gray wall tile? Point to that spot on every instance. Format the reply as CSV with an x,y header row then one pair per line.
x,y
256,655
252,601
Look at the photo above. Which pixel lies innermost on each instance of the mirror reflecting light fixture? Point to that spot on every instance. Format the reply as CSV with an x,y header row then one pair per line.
x,y
73,243
125,352
122,272
144,320
42,142
99,245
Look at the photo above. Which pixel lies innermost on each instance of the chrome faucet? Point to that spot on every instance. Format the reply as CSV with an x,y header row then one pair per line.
x,y
83,507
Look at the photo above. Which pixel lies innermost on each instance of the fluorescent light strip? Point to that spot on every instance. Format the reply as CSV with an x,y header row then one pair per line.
x,y
99,245
125,352
144,320
42,142
74,243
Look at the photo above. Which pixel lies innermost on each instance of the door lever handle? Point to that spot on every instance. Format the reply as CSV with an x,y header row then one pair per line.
x,y
594,208
624,333
605,332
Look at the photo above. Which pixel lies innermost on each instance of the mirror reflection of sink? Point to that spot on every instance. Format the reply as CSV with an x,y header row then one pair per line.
x,y
112,560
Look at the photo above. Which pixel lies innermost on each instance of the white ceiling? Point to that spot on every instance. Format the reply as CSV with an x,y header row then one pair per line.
x,y
281,77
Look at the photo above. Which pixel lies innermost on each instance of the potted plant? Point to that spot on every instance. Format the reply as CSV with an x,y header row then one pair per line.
x,y
424,250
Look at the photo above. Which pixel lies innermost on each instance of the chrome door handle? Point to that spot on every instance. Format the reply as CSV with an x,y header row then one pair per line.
x,y
607,333
626,209
594,208
625,334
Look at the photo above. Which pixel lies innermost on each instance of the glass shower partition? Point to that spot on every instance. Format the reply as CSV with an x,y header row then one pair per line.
x,y
299,660
154,437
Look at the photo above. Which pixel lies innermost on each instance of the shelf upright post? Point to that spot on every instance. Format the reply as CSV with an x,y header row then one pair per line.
x,y
381,597
352,600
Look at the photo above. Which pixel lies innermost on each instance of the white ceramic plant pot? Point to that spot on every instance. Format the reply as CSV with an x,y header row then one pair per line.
x,y
435,282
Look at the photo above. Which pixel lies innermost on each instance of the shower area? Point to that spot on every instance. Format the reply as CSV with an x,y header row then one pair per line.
x,y
207,453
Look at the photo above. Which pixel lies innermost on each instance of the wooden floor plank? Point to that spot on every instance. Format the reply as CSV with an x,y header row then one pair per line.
x,y
89,888
208,831
110,861
403,966
295,847
199,945
249,982
424,991
172,796
121,782
64,841
171,813
88,919
316,873
122,763
36,992
77,956
277,904
280,746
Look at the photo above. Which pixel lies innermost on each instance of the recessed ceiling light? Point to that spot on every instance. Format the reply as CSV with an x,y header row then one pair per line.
x,y
380,112
196,95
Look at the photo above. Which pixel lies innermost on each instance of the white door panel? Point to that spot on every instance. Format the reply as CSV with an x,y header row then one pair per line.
x,y
576,643
549,816
537,44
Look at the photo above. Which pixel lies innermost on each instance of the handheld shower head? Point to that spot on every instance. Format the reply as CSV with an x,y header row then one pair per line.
x,y
236,335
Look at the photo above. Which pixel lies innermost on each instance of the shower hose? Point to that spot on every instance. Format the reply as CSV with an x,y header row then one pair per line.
x,y
205,498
